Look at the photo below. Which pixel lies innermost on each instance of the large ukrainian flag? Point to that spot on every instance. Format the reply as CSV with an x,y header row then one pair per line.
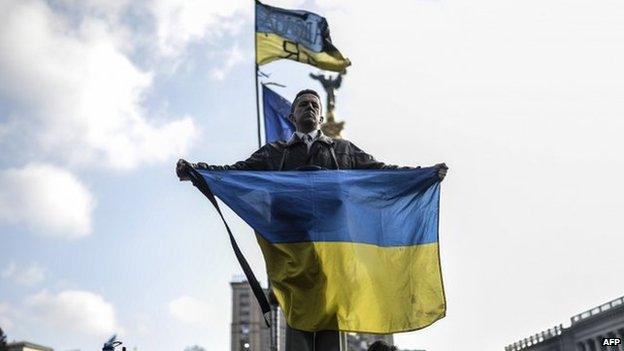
x,y
352,250
295,35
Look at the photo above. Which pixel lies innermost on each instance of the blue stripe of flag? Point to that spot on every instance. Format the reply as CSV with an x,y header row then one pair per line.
x,y
378,207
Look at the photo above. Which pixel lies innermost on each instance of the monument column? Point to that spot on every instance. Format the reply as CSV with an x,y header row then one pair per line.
x,y
330,127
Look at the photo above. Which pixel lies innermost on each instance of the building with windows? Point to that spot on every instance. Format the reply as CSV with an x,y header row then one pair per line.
x,y
27,346
250,333
248,329
586,332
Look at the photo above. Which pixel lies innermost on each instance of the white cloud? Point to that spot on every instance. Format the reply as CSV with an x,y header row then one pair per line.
x,y
75,93
110,10
179,22
24,275
232,57
287,4
74,311
191,310
142,329
329,5
182,21
47,199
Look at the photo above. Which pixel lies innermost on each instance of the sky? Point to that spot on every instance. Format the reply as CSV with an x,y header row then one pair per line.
x,y
98,99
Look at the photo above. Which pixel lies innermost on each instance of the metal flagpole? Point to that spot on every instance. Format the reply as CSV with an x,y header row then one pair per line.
x,y
258,107
256,74
274,328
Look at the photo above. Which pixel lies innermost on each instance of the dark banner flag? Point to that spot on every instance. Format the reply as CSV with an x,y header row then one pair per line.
x,y
276,110
295,35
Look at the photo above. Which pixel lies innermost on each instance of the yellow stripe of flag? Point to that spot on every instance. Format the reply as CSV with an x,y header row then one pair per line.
x,y
356,287
271,47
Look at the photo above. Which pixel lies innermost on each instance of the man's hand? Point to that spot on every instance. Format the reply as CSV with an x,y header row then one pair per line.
x,y
182,169
442,168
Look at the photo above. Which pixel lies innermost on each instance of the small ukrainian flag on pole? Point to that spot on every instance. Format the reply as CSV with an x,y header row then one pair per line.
x,y
295,35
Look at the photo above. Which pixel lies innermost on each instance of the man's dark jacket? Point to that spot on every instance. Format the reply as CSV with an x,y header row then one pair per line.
x,y
325,152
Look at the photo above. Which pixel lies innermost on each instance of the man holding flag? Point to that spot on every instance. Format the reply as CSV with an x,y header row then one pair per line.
x,y
308,149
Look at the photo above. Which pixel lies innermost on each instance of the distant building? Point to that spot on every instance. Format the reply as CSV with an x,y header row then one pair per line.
x,y
27,346
585,333
248,329
250,333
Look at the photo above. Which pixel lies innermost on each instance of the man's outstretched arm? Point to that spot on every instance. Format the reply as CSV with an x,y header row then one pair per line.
x,y
363,160
258,161
366,161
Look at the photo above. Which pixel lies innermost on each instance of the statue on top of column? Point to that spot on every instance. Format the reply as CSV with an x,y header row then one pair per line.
x,y
330,128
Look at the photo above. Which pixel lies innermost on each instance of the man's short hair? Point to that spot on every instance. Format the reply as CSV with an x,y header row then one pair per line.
x,y
304,92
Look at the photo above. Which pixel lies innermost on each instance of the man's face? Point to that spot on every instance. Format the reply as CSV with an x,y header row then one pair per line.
x,y
307,113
